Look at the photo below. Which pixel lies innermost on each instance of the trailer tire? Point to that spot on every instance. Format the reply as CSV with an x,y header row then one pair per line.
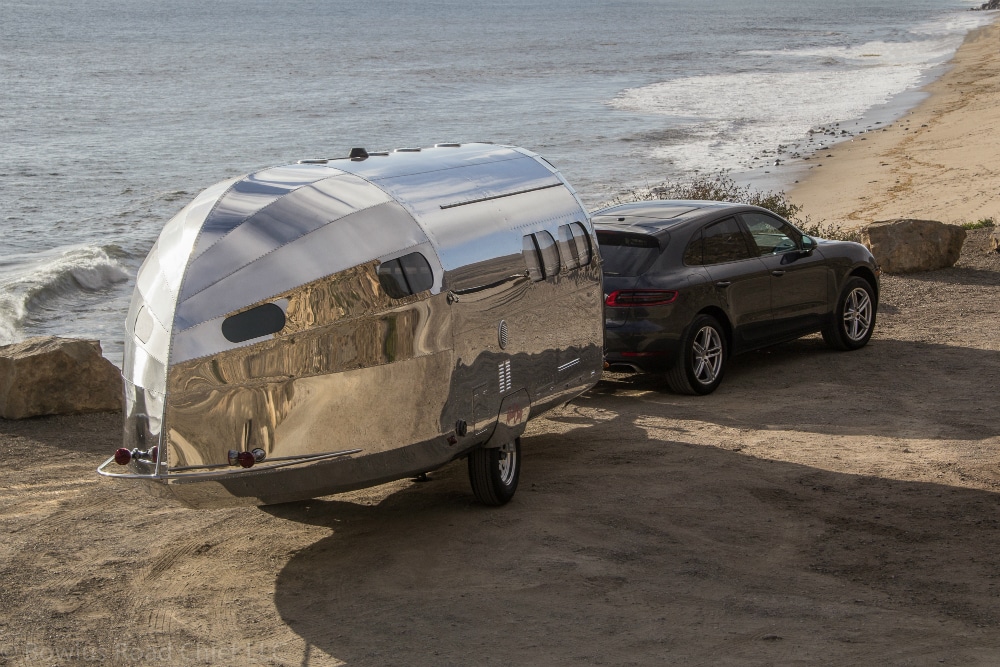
x,y
494,473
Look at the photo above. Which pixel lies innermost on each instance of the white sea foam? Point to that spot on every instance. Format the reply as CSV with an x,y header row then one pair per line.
x,y
30,283
732,119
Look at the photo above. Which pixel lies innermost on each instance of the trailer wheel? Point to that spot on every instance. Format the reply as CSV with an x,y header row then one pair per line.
x,y
494,472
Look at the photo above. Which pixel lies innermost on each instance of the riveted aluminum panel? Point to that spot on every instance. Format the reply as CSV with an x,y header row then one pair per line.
x,y
351,240
474,233
427,192
253,192
282,222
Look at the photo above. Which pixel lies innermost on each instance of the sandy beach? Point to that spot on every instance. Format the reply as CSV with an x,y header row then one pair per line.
x,y
938,162
821,508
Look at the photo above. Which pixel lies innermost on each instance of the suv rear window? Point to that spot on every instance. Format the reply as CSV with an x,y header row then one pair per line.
x,y
627,254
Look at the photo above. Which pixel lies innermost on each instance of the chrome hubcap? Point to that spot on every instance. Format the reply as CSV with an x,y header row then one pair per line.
x,y
707,355
857,314
506,466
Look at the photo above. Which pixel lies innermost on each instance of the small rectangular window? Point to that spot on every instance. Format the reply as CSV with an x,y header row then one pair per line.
x,y
582,240
567,248
550,253
405,275
532,258
417,271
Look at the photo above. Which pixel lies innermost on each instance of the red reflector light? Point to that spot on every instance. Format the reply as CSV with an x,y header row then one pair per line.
x,y
623,298
246,459
123,456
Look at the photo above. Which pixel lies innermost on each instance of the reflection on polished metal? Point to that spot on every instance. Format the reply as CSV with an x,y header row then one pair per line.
x,y
348,386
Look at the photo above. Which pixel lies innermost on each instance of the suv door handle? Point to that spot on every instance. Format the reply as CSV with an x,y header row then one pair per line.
x,y
723,283
777,273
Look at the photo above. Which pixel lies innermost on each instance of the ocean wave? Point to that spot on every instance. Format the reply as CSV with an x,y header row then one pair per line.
x,y
731,118
29,283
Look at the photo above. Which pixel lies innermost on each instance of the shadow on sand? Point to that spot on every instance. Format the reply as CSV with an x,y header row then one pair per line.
x,y
619,549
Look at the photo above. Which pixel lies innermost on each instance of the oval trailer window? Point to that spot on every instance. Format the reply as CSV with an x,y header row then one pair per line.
x,y
254,323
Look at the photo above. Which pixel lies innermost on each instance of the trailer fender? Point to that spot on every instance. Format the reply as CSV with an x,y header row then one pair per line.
x,y
515,410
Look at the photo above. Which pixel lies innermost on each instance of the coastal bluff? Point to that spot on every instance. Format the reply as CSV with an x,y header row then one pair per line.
x,y
48,375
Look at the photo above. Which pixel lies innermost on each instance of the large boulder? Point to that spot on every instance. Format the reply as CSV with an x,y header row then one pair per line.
x,y
994,241
50,376
908,246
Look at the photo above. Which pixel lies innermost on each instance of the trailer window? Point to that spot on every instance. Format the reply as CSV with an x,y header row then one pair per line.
x,y
550,254
582,240
567,248
405,275
266,319
574,245
541,255
532,258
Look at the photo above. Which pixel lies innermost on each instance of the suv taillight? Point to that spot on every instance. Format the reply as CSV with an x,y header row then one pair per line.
x,y
624,298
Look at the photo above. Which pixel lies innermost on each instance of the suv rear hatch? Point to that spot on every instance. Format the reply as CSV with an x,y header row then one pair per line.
x,y
625,256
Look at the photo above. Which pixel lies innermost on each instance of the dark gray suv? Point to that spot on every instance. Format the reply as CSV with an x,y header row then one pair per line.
x,y
687,284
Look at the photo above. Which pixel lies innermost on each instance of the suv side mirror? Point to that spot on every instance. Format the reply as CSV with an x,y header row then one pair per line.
x,y
808,245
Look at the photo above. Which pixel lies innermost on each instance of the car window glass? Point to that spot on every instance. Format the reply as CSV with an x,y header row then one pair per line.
x,y
772,236
723,241
693,254
627,254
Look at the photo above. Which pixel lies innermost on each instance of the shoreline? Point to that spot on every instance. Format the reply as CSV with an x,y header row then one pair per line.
x,y
937,161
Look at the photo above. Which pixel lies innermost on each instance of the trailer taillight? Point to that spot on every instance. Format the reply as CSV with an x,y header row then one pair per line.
x,y
246,459
124,456
624,298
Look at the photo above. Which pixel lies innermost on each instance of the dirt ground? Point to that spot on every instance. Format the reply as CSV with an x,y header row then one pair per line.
x,y
820,508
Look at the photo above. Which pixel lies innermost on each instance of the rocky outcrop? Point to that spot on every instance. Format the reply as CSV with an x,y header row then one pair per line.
x,y
50,376
908,246
992,4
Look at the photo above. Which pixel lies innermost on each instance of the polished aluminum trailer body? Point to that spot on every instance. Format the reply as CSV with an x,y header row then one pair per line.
x,y
357,320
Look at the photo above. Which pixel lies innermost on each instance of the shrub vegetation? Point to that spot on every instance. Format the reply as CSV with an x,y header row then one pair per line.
x,y
985,223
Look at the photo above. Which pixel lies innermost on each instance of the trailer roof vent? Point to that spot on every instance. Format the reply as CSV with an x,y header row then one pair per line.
x,y
407,150
447,145
358,154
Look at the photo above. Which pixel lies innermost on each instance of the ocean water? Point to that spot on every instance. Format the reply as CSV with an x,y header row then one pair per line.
x,y
115,113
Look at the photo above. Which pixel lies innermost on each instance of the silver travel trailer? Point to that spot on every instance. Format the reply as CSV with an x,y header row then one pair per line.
x,y
335,324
